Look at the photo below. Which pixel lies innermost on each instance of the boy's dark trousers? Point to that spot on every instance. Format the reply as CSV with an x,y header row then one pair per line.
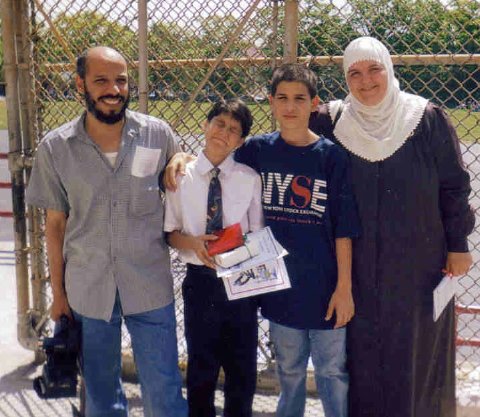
x,y
219,333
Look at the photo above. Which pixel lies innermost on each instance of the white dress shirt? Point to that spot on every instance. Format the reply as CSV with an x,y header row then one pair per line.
x,y
186,208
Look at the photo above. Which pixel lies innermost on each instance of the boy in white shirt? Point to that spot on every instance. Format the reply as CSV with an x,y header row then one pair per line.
x,y
219,332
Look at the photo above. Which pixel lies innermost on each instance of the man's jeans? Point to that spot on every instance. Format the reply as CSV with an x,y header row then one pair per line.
x,y
292,350
154,344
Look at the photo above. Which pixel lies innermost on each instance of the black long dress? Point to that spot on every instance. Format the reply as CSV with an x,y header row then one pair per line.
x,y
413,207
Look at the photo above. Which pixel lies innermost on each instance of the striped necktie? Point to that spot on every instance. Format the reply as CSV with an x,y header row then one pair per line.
x,y
214,207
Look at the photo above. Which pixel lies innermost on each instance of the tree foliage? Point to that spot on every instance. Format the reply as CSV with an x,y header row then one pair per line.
x,y
80,31
405,26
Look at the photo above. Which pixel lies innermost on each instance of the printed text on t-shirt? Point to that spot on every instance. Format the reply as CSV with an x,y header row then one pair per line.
x,y
294,194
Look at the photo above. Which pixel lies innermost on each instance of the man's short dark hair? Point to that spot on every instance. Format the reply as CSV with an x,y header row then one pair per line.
x,y
83,58
82,65
237,109
294,73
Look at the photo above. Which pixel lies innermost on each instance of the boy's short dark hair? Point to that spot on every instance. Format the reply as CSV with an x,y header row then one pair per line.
x,y
294,73
237,109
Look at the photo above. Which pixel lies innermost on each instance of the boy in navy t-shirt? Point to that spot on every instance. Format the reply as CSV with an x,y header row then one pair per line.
x,y
309,205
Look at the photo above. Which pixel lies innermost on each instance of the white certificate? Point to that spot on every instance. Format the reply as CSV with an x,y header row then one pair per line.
x,y
145,161
264,271
442,295
269,250
268,277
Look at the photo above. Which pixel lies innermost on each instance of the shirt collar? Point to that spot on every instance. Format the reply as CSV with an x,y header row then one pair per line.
x,y
76,128
204,166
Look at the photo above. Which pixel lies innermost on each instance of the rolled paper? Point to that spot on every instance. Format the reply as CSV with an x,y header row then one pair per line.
x,y
248,250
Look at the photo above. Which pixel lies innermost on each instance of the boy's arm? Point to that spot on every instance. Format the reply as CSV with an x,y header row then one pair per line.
x,y
179,240
173,223
346,225
342,300
248,153
255,211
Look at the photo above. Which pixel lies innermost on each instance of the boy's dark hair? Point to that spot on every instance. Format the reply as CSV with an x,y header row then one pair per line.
x,y
82,65
294,73
235,107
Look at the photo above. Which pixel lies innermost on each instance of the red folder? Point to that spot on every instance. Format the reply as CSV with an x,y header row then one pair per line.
x,y
229,238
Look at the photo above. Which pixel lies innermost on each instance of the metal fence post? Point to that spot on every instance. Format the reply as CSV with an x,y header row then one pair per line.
x,y
274,42
10,11
142,56
39,310
291,31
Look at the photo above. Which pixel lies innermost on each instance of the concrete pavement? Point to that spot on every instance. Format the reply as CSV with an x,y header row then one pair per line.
x,y
17,367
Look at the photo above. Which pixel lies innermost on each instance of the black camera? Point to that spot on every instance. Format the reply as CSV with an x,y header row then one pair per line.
x,y
59,374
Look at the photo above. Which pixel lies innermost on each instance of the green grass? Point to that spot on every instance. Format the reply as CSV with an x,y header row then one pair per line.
x,y
3,115
467,124
56,113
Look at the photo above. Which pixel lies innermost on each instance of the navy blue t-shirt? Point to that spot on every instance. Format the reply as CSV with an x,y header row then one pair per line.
x,y
308,202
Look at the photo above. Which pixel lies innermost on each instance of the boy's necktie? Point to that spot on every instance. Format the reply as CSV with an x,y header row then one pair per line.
x,y
214,205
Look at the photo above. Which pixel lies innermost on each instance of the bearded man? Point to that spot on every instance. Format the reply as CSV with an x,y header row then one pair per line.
x,y
97,179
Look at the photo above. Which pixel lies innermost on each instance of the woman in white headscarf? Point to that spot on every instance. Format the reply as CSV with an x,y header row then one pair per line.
x,y
412,193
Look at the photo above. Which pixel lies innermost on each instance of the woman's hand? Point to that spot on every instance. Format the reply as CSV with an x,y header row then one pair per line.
x,y
458,263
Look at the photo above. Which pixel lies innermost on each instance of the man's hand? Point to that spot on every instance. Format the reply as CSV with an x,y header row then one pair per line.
x,y
54,235
199,245
60,306
342,303
176,166
458,263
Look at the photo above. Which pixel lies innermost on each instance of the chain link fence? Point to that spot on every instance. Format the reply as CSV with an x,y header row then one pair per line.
x,y
184,55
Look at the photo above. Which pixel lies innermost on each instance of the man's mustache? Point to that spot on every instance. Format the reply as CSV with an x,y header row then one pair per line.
x,y
122,99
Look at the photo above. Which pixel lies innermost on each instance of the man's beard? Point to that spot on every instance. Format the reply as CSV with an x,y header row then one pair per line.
x,y
108,118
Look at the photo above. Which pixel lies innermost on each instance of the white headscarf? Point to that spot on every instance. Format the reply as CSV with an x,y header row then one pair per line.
x,y
376,132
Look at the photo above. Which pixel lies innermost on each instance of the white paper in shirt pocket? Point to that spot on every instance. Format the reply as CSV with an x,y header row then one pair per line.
x,y
145,161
